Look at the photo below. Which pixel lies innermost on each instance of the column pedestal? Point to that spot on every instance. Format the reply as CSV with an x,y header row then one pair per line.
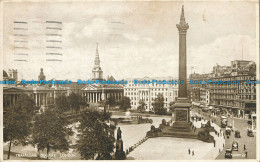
x,y
182,110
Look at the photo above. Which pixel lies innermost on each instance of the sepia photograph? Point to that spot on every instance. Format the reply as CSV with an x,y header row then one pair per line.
x,y
130,80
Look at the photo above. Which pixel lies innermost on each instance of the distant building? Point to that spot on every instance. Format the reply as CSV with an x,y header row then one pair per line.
x,y
236,99
13,74
148,92
5,76
220,71
97,93
43,96
199,93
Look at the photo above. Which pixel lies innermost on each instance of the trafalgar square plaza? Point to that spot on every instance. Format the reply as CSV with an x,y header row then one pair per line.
x,y
187,113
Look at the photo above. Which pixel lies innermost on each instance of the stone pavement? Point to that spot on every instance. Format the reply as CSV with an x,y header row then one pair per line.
x,y
214,151
168,148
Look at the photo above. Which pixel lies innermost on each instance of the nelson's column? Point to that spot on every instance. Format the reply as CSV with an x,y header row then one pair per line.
x,y
182,106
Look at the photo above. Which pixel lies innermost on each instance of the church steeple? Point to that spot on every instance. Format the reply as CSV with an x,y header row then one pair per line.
x,y
97,73
97,55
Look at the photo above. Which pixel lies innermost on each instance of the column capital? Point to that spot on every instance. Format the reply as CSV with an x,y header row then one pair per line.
x,y
182,26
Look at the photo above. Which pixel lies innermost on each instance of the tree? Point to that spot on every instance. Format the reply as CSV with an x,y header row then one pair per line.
x,y
141,107
97,138
50,131
158,105
171,105
26,103
125,103
111,101
17,121
75,100
62,103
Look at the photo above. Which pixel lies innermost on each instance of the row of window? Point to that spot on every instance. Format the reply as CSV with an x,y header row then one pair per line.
x,y
152,94
153,89
151,85
136,103
146,98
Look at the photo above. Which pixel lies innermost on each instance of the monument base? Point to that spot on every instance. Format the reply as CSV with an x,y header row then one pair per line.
x,y
119,154
182,127
182,110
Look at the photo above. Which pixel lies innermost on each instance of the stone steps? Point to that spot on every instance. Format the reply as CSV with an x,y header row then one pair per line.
x,y
180,129
181,135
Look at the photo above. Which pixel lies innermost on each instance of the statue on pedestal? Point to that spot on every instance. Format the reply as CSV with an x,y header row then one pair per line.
x,y
119,132
120,154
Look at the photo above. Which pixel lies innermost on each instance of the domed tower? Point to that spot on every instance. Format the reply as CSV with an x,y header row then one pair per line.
x,y
97,73
41,76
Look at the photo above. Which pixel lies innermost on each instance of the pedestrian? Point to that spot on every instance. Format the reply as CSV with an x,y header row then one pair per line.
x,y
219,150
214,143
244,147
246,154
189,151
193,153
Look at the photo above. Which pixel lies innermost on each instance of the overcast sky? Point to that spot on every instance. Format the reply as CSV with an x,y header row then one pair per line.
x,y
136,39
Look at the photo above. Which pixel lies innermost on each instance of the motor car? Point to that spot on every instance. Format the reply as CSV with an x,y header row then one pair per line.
x,y
224,121
237,134
228,153
249,122
234,146
228,131
250,133
231,127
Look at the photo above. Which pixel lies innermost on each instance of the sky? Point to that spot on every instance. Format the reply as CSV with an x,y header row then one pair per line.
x,y
136,39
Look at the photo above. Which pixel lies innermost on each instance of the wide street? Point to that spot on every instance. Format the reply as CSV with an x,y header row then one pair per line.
x,y
240,125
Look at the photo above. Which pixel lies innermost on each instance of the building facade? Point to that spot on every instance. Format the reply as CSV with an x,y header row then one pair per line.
x,y
43,95
98,93
148,92
237,99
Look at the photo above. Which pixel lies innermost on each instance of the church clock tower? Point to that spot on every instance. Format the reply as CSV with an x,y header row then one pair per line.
x,y
97,73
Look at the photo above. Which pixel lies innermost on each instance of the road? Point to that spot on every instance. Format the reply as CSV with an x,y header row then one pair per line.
x,y
240,125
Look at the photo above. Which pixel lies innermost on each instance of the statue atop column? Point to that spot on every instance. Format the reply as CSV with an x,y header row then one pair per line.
x,y
119,134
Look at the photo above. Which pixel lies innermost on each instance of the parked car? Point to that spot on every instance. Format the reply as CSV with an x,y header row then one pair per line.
x,y
237,134
249,122
228,131
234,146
228,153
250,133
